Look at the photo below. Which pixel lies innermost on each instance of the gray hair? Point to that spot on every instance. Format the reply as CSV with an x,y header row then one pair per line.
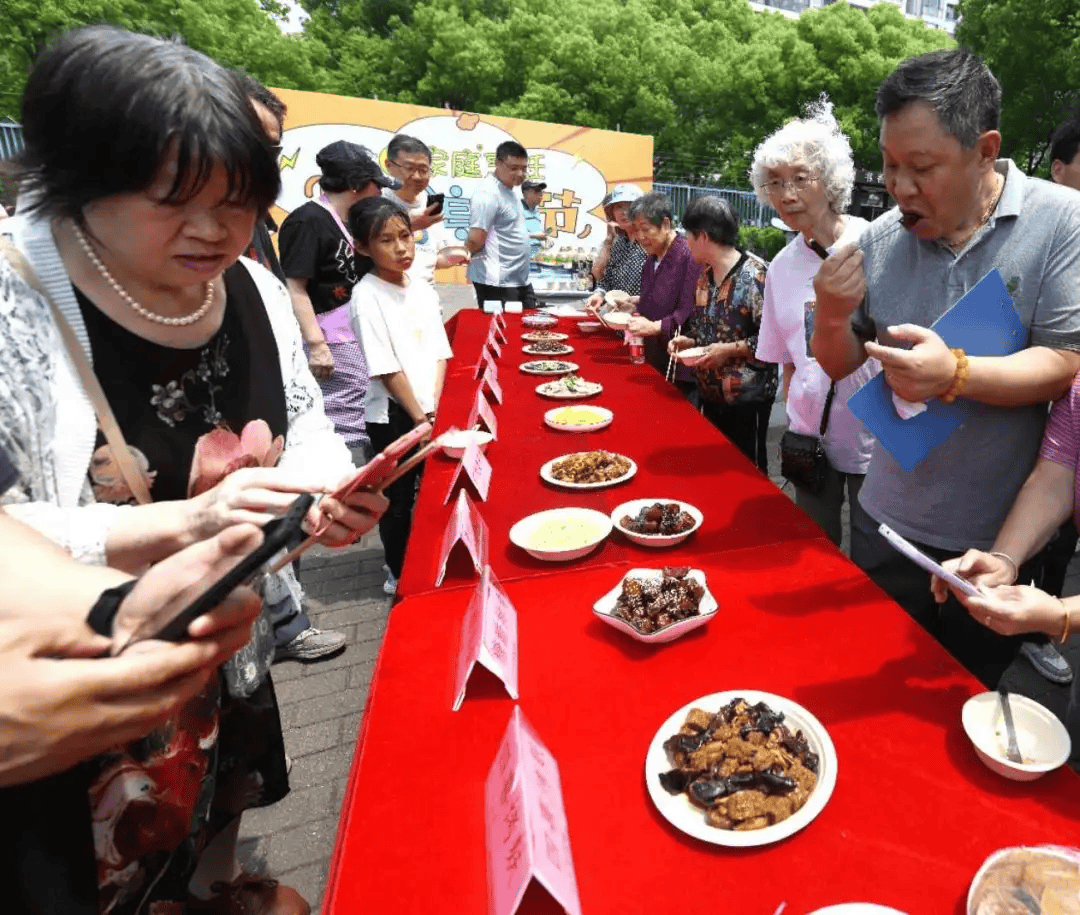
x,y
960,88
655,207
817,140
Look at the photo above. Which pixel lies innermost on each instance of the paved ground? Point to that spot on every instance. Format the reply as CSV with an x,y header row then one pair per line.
x,y
322,702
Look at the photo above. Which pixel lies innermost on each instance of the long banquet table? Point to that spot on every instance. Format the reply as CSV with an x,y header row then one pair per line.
x,y
914,813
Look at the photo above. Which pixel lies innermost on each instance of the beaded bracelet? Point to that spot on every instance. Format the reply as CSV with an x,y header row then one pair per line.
x,y
960,377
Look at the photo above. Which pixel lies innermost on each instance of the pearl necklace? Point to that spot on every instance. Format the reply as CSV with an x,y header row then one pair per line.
x,y
136,307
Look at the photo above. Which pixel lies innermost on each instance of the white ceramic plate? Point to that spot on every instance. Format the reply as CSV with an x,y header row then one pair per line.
x,y
1040,735
683,815
539,336
691,356
539,321
558,391
604,608
857,908
545,475
559,367
656,540
602,419
598,523
559,349
454,441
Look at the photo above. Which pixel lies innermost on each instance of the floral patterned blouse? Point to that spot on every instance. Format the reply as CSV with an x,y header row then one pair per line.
x,y
727,313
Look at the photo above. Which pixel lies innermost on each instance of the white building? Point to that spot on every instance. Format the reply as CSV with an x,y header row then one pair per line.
x,y
938,14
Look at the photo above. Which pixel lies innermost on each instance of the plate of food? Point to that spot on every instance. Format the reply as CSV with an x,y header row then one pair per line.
x,y
616,319
569,387
579,418
774,764
539,321
692,355
657,522
658,605
588,470
548,367
560,534
547,348
538,336
589,327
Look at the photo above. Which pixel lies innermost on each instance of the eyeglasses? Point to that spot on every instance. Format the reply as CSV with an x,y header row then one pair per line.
x,y
799,183
413,171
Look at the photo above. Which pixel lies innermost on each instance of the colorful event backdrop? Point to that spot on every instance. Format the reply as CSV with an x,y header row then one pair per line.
x,y
579,164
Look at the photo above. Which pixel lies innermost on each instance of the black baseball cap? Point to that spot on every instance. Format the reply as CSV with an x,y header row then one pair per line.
x,y
533,185
353,165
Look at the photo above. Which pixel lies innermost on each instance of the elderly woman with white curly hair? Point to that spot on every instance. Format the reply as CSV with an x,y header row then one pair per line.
x,y
805,170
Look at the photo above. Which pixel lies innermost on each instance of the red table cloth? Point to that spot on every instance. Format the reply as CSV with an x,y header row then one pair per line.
x,y
913,814
679,456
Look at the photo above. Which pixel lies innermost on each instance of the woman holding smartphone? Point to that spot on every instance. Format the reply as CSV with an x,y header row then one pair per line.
x,y
399,322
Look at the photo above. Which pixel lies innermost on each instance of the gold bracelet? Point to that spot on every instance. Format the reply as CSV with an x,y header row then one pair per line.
x,y
960,376
1012,564
1065,631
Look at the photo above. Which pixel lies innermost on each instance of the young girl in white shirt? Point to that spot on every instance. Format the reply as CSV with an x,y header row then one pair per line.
x,y
399,324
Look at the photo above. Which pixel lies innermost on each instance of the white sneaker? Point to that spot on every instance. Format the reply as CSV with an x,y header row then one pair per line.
x,y
390,585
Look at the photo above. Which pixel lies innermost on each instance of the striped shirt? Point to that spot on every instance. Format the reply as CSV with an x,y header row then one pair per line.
x,y
1061,441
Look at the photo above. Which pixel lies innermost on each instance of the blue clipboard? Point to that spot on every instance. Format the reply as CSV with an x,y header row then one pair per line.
x,y
984,323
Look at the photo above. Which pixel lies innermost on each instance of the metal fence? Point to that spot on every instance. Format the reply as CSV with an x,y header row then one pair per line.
x,y
11,140
751,211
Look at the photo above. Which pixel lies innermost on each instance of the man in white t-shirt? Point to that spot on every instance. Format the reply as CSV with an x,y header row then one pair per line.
x,y
409,160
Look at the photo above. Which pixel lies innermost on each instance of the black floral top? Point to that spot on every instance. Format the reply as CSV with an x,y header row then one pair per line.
x,y
623,269
727,313
165,398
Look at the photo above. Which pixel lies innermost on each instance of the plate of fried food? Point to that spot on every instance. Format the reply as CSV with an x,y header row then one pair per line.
x,y
579,418
547,348
741,768
658,605
548,367
539,320
588,470
539,336
569,387
657,522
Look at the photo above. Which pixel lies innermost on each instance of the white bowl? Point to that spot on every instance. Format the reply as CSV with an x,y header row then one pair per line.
x,y
1016,860
656,540
603,418
521,534
1041,737
539,320
616,319
454,441
589,327
691,356
604,609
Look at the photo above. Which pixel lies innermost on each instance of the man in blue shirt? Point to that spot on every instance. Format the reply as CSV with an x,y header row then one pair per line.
x,y
532,192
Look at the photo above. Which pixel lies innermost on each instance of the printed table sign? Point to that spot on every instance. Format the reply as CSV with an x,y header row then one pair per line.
x,y
493,344
497,329
500,319
492,382
488,636
526,829
465,525
485,360
477,469
481,413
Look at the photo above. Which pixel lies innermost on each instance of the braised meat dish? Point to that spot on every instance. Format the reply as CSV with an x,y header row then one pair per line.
x,y
650,604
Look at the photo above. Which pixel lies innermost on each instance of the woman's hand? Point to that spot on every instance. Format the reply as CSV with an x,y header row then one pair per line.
x,y
1016,609
594,303
174,583
981,569
629,304
643,327
253,495
350,518
320,361
677,344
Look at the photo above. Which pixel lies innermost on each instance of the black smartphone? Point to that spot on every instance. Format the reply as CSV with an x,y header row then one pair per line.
x,y
277,534
435,200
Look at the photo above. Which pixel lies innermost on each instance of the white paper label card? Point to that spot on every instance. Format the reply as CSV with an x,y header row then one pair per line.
x,y
481,413
493,344
484,362
525,823
488,637
476,468
497,328
493,383
467,527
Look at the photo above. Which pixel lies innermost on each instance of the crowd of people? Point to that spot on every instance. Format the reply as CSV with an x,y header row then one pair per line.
x,y
170,384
